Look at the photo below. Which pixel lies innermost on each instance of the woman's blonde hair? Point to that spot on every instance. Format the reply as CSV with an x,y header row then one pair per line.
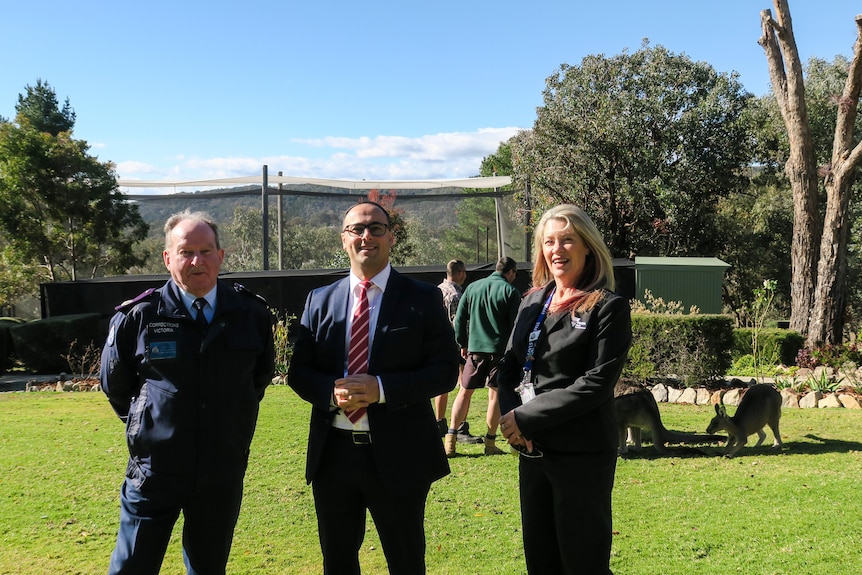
x,y
598,274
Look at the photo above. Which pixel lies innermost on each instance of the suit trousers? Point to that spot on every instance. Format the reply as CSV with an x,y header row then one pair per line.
x,y
566,512
147,519
347,483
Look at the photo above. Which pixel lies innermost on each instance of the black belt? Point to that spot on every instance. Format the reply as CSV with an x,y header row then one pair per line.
x,y
356,437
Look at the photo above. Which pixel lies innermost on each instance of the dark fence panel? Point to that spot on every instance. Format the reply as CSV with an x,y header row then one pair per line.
x,y
284,290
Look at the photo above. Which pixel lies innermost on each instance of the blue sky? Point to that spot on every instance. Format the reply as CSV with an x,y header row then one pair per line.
x,y
187,90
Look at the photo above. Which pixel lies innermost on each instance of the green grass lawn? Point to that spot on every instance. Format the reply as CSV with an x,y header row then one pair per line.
x,y
798,512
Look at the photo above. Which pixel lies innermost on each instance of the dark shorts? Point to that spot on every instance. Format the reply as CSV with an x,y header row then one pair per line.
x,y
480,370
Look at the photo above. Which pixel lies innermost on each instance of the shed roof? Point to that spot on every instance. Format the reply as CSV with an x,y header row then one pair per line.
x,y
689,262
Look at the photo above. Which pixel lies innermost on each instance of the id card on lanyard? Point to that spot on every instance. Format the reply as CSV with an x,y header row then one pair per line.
x,y
527,389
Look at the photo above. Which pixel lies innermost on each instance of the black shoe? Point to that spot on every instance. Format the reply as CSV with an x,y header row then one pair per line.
x,y
464,434
442,426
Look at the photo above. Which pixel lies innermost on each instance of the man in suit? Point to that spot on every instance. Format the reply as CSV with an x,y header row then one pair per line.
x,y
373,442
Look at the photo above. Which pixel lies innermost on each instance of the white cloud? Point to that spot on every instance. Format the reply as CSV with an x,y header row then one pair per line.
x,y
444,147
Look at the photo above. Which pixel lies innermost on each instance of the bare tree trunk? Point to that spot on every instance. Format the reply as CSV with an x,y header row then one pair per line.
x,y
785,73
827,315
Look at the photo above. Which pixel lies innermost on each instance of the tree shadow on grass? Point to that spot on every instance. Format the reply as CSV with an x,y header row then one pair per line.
x,y
814,446
684,451
817,444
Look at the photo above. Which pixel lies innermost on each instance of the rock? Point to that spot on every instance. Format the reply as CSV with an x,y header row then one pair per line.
x,y
789,398
689,396
830,400
810,399
849,401
673,395
659,392
803,374
703,396
822,371
732,397
715,398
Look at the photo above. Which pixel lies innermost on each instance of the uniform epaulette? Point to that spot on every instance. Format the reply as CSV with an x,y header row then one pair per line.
x,y
131,302
244,290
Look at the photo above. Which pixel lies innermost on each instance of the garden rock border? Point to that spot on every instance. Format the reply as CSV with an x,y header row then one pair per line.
x,y
731,396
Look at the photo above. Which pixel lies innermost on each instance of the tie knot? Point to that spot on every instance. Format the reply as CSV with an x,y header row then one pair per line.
x,y
200,303
363,286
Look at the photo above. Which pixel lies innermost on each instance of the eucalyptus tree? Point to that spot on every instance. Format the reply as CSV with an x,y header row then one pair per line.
x,y
60,207
647,143
820,242
823,83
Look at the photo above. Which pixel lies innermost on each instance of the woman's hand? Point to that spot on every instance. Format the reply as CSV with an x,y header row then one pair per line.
x,y
509,429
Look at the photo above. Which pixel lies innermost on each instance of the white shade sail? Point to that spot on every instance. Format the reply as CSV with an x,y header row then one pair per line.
x,y
483,183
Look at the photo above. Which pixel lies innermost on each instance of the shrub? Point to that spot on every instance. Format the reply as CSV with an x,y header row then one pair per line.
x,y
283,347
829,355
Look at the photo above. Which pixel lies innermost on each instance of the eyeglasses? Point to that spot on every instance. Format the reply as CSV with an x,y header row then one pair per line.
x,y
358,230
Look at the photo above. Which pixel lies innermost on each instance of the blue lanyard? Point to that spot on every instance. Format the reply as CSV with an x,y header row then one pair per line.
x,y
534,336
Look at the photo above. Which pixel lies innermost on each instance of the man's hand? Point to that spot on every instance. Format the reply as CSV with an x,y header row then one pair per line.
x,y
355,391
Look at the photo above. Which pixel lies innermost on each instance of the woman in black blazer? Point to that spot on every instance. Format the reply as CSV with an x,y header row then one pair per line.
x,y
556,387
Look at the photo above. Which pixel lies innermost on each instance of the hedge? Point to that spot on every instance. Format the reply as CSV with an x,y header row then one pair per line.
x,y
43,345
694,349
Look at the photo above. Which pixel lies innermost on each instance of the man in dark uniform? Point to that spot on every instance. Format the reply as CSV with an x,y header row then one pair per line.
x,y
185,367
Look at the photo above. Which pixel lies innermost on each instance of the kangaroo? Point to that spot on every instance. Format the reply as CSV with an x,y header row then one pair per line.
x,y
636,408
760,406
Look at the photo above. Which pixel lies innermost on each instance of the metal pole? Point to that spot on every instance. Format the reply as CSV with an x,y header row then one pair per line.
x,y
527,216
280,227
498,210
264,208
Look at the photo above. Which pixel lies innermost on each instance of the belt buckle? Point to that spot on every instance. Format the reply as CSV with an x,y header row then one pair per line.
x,y
361,437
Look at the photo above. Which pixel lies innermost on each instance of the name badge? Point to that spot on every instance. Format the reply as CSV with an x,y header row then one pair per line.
x,y
527,390
162,350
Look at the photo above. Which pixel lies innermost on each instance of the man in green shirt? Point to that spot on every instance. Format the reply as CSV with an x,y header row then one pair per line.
x,y
485,316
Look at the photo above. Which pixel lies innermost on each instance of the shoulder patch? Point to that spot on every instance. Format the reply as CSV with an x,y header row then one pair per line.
x,y
130,302
241,289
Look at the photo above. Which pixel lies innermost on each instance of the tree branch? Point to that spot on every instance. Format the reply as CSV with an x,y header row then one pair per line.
x,y
774,60
848,106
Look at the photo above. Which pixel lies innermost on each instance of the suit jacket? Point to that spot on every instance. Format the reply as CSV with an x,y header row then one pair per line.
x,y
578,362
414,355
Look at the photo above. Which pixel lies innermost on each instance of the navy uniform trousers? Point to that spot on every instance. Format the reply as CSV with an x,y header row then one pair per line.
x,y
209,517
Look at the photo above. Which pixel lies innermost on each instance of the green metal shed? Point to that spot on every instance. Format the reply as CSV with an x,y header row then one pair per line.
x,y
692,281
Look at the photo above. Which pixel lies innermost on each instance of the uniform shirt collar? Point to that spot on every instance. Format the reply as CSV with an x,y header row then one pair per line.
x,y
189,299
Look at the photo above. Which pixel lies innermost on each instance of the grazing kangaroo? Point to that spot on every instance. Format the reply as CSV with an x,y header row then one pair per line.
x,y
636,408
760,406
